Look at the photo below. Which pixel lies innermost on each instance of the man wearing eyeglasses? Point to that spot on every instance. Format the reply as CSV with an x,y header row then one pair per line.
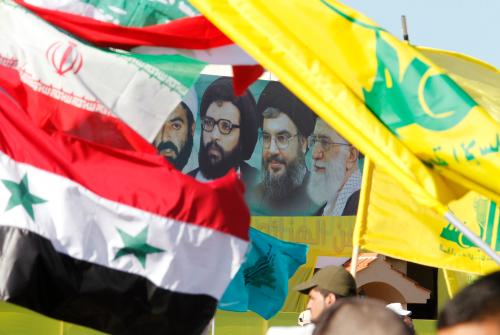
x,y
286,123
229,133
335,178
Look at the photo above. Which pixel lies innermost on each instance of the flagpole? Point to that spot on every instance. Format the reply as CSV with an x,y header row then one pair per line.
x,y
472,237
361,216
354,260
406,37
447,282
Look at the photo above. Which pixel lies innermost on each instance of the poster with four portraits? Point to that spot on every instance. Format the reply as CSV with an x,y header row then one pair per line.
x,y
291,162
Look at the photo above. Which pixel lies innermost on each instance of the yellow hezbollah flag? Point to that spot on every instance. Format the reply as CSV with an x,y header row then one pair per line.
x,y
391,222
381,94
422,235
479,79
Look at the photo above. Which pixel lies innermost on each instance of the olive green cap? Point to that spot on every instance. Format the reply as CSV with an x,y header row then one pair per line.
x,y
332,278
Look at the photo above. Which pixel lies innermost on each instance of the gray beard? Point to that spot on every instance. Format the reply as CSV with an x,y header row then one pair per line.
x,y
280,187
324,187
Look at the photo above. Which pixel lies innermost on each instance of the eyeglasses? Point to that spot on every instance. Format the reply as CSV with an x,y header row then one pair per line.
x,y
282,140
324,142
225,126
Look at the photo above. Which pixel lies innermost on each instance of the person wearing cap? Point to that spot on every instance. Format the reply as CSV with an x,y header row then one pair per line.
x,y
403,314
174,141
229,133
286,123
335,177
325,288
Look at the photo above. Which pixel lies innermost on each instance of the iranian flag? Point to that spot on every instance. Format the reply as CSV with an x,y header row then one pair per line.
x,y
112,239
113,97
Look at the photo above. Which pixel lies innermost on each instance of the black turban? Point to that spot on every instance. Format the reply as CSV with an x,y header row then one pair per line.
x,y
278,96
222,89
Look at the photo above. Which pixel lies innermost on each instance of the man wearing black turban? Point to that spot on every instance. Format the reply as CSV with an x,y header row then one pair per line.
x,y
229,133
286,123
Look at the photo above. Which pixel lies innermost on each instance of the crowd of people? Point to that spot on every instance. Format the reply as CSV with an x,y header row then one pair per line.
x,y
334,308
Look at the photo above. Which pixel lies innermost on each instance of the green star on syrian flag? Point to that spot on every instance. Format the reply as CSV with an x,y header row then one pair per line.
x,y
137,246
21,196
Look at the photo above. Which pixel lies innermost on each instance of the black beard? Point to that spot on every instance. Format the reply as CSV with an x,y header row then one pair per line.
x,y
182,157
219,169
278,188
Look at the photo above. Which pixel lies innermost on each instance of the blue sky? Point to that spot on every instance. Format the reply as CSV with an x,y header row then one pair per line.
x,y
471,27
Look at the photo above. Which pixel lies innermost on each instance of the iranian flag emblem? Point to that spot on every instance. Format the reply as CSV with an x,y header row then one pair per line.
x,y
64,57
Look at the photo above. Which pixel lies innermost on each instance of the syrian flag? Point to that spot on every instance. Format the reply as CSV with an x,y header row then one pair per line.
x,y
112,239
194,37
115,98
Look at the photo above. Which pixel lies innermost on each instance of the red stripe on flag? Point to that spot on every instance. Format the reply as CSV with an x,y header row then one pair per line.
x,y
140,180
187,33
49,113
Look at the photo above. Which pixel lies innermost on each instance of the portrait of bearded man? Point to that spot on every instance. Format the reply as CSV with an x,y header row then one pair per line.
x,y
286,123
174,141
229,133
335,177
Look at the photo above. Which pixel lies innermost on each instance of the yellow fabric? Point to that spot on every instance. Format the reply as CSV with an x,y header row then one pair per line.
x,y
23,322
479,79
327,60
15,320
396,225
231,323
456,280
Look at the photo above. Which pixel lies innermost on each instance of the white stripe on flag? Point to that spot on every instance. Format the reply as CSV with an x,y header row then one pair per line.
x,y
73,7
224,55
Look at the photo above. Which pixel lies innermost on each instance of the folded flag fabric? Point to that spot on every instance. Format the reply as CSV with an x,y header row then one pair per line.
x,y
69,85
194,37
261,285
479,79
190,33
112,239
391,222
127,13
428,238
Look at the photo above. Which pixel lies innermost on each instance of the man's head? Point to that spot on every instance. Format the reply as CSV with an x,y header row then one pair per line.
x,y
326,287
286,123
403,314
334,160
174,141
360,316
475,310
229,128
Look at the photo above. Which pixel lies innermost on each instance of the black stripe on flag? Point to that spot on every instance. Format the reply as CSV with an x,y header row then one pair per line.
x,y
34,275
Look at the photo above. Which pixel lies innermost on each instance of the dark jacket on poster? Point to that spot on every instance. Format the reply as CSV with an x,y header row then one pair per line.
x,y
351,206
